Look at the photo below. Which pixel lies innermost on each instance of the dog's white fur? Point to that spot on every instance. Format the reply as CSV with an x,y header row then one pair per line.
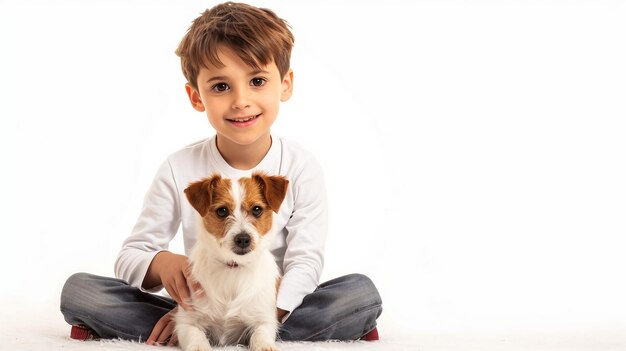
x,y
238,303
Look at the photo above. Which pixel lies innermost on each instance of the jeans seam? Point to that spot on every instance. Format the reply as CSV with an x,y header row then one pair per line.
x,y
351,316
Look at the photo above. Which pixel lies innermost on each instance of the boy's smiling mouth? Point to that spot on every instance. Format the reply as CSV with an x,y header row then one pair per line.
x,y
243,121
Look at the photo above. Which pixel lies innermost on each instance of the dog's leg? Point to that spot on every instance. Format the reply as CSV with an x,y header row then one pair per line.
x,y
263,338
192,338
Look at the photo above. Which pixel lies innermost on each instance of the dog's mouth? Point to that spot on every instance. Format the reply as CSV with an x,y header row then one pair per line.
x,y
239,251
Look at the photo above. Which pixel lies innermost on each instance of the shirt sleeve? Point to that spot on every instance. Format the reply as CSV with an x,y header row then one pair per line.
x,y
156,226
306,237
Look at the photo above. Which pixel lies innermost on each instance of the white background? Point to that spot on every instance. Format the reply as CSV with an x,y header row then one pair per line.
x,y
474,151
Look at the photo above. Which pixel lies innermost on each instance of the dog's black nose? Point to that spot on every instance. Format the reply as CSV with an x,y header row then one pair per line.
x,y
242,240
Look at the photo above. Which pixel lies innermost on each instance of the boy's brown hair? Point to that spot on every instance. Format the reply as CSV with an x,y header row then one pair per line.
x,y
255,34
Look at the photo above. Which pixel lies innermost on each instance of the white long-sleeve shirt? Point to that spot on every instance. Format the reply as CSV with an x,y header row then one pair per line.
x,y
302,219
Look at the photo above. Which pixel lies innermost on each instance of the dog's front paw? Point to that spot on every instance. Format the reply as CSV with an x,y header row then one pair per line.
x,y
264,338
192,339
198,348
269,347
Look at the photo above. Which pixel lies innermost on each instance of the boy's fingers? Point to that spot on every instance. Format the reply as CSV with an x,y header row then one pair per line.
x,y
183,292
173,293
173,340
156,331
166,333
194,287
197,288
187,271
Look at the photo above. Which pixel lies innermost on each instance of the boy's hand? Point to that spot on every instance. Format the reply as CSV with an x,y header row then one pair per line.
x,y
173,271
163,331
280,314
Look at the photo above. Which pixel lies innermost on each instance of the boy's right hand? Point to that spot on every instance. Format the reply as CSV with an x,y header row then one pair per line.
x,y
173,272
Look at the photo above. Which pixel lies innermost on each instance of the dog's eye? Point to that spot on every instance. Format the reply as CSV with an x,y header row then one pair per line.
x,y
257,211
222,212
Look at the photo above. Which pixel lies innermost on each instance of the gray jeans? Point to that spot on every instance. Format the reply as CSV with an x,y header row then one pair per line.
x,y
345,308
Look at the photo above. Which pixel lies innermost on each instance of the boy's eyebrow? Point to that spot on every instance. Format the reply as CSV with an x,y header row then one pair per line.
x,y
252,73
215,78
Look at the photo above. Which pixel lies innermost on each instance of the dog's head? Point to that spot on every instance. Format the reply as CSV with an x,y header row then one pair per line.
x,y
238,214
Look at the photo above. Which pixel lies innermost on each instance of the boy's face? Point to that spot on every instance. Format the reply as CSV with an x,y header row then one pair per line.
x,y
240,102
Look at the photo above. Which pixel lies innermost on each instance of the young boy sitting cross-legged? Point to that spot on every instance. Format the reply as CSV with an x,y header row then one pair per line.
x,y
236,59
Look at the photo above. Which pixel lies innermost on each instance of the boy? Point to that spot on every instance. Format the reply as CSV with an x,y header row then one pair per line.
x,y
236,61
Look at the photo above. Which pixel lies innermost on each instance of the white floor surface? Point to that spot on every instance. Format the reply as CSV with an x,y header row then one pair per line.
x,y
44,329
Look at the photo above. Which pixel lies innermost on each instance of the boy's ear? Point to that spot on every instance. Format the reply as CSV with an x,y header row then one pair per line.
x,y
194,98
287,86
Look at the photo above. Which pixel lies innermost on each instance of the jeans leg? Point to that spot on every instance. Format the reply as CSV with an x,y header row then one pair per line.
x,y
345,308
111,307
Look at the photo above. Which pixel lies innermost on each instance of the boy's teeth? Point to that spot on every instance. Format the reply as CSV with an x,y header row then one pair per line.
x,y
243,119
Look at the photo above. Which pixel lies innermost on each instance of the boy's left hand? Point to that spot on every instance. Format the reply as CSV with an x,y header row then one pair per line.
x,y
163,331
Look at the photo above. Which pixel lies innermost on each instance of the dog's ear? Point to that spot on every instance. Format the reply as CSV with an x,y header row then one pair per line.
x,y
199,193
273,188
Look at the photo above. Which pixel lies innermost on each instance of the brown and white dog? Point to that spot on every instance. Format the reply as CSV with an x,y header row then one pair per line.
x,y
232,263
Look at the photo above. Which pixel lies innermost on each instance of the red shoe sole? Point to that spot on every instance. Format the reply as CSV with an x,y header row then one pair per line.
x,y
371,336
78,332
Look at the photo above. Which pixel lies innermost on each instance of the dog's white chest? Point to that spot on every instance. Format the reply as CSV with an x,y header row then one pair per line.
x,y
229,310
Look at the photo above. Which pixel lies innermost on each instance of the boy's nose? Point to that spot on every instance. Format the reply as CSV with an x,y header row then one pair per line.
x,y
240,99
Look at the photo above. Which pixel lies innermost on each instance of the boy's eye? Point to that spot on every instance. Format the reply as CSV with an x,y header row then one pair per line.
x,y
220,87
257,82
222,212
257,211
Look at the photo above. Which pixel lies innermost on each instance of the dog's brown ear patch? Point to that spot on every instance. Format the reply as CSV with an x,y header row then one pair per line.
x,y
273,188
200,193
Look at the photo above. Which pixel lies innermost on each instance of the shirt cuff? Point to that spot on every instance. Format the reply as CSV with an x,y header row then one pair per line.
x,y
134,272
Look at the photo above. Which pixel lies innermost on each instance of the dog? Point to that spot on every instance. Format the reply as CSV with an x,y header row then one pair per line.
x,y
232,263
